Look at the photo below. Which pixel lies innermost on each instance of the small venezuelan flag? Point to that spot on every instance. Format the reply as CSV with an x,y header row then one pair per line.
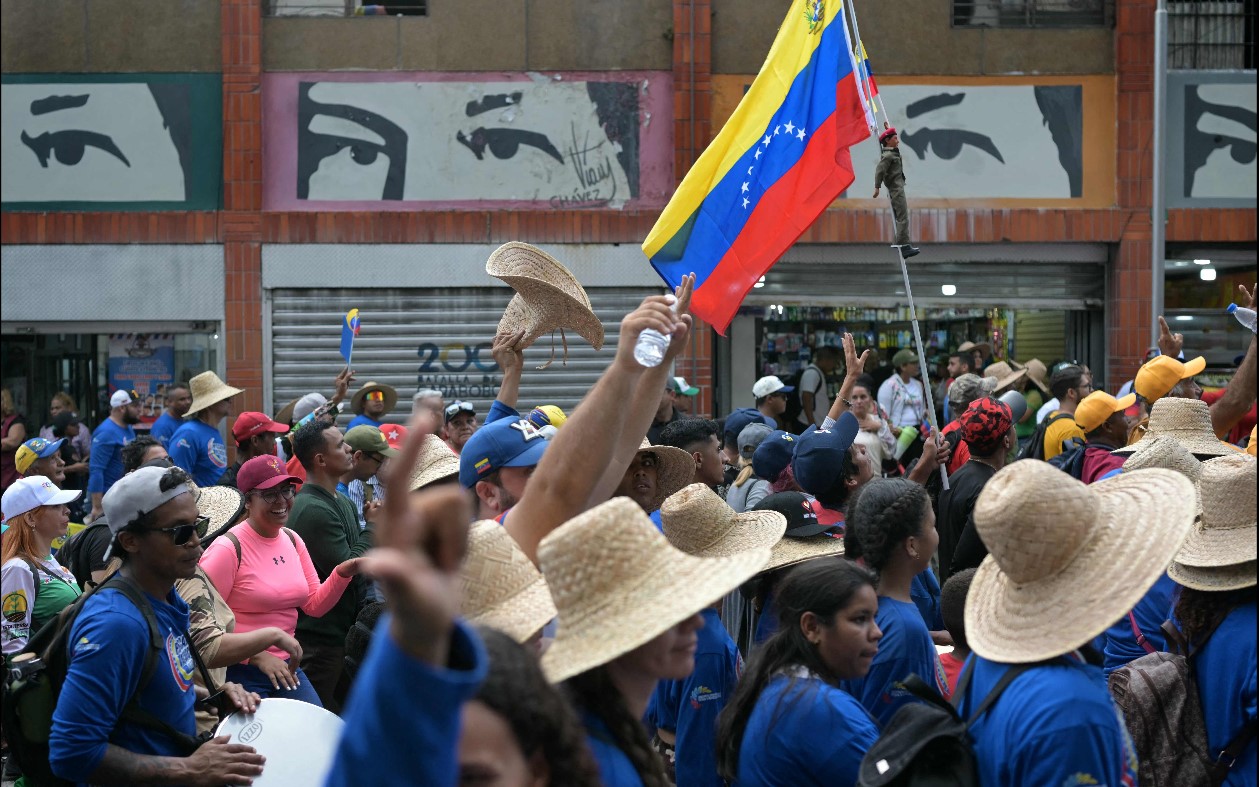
x,y
349,329
780,160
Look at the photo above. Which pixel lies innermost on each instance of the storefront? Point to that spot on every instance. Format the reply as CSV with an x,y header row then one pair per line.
x,y
1200,282
87,320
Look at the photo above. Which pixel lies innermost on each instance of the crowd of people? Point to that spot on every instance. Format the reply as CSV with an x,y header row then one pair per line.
x,y
630,595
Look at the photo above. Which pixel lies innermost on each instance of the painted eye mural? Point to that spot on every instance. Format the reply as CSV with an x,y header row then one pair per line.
x,y
1219,137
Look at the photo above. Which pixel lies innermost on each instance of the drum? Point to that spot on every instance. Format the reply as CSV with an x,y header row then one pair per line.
x,y
298,739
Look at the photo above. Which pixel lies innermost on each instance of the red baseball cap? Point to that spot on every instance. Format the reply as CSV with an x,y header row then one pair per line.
x,y
249,424
262,472
394,434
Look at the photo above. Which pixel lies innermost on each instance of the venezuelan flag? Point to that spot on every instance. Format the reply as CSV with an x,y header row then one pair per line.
x,y
349,329
778,162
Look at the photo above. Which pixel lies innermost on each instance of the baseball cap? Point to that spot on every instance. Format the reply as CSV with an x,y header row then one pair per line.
x,y
903,357
737,421
1161,373
262,472
1095,408
773,455
820,454
679,386
802,520
768,385
454,408
395,435
752,436
35,448
307,405
141,492
28,494
502,443
547,415
369,440
969,387
122,397
985,423
249,424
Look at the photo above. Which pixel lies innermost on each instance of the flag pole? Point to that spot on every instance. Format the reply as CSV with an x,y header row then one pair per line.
x,y
922,361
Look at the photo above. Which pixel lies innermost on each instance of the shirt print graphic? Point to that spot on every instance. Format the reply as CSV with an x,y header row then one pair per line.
x,y
217,452
179,655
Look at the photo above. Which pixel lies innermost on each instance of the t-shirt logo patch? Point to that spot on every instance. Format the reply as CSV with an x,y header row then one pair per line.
x,y
528,430
180,657
15,606
703,694
217,452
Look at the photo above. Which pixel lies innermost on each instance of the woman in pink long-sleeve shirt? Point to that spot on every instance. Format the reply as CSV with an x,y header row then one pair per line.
x,y
265,575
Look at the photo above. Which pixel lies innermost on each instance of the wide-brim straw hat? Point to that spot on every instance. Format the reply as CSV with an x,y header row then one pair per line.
x,y
675,469
972,346
548,298
208,389
1188,421
1038,373
502,588
1004,375
791,550
435,462
1216,579
391,396
1226,535
618,583
285,415
222,504
698,522
1067,560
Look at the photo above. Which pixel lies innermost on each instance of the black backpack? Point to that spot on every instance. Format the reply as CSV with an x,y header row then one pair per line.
x,y
1071,460
75,557
1035,447
31,694
927,744
791,416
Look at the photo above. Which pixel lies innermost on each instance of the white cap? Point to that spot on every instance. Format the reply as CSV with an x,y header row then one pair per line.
x,y
307,405
120,398
768,385
33,491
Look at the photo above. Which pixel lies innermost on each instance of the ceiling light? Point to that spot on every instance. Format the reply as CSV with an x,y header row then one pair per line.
x,y
1180,264
1207,274
948,289
1184,318
1201,262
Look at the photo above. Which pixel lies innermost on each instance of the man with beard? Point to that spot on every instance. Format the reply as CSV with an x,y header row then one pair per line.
x,y
497,461
105,467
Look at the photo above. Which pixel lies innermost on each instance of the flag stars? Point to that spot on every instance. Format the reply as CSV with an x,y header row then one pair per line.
x,y
777,129
745,187
789,127
745,202
750,169
800,134
757,154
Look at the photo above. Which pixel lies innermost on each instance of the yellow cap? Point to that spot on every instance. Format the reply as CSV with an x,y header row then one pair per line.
x,y
1161,373
1098,406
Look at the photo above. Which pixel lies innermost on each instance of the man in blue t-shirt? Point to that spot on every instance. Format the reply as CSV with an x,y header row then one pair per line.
x,y
371,404
105,464
178,400
156,530
198,446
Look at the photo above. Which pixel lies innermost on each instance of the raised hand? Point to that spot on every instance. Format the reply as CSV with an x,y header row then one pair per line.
x,y
1248,296
1169,343
654,313
683,294
341,384
854,365
506,351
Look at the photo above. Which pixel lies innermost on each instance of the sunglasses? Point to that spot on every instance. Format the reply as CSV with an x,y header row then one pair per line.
x,y
459,407
180,534
376,396
275,495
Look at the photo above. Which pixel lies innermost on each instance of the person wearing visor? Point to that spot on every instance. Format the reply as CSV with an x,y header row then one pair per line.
x,y
461,423
39,456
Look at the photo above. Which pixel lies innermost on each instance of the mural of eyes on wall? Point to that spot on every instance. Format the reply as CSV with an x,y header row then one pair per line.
x,y
1219,141
122,141
453,140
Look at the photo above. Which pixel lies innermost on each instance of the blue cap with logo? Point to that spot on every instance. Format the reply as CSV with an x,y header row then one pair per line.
x,y
820,454
736,421
503,443
773,454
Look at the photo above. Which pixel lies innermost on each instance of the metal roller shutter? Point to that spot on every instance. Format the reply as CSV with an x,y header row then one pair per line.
x,y
1040,334
430,338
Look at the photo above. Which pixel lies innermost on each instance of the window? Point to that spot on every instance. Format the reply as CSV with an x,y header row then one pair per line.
x,y
1032,13
1218,34
343,8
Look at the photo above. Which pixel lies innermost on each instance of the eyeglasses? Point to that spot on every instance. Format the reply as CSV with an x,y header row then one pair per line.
x,y
285,492
180,534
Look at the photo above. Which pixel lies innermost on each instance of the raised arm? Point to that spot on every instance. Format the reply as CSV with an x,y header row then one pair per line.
x,y
853,365
511,360
1240,393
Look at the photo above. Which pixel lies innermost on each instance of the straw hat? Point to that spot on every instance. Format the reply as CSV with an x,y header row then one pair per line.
x,y
1186,420
391,396
1218,579
790,550
675,469
805,537
435,462
972,346
1038,373
222,504
698,522
1067,560
1005,376
1225,539
285,415
502,588
1165,452
618,583
548,298
208,389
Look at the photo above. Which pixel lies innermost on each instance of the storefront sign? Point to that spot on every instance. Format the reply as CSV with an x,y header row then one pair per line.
x,y
144,363
459,371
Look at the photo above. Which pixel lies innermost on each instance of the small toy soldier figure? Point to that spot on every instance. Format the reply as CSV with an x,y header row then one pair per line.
x,y
890,171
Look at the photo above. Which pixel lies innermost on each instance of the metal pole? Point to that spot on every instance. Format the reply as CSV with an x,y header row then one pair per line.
x,y
1158,208
922,363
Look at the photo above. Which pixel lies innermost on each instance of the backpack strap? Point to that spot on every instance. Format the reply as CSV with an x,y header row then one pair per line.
x,y
230,536
1136,632
289,533
34,568
1010,675
1228,757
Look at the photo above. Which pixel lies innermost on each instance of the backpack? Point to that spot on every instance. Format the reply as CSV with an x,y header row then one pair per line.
x,y
236,542
32,688
1071,460
927,744
75,558
795,405
1035,446
1158,696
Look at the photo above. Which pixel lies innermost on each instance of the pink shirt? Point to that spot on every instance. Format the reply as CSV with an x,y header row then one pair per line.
x,y
275,578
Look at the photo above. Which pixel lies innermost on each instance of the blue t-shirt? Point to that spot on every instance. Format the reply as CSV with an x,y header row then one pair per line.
x,y
362,420
1226,686
688,708
925,591
105,464
1053,725
654,516
906,648
111,644
767,621
615,767
499,411
804,732
1154,609
165,426
198,448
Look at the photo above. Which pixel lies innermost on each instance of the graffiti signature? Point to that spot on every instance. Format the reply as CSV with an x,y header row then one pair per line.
x,y
593,168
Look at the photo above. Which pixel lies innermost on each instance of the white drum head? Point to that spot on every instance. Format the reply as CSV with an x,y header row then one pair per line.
x,y
298,739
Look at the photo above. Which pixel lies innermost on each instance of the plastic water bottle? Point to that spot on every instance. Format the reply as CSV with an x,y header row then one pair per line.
x,y
652,344
1244,316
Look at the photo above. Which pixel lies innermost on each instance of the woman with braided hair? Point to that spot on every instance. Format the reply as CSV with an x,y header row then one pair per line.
x,y
894,524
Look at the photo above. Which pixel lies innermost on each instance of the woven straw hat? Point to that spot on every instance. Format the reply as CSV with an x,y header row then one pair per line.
x,y
1186,420
1006,376
222,504
548,298
435,462
1165,452
971,346
1038,373
1067,560
285,415
502,588
618,583
1226,535
208,389
391,396
1216,579
675,469
790,551
698,522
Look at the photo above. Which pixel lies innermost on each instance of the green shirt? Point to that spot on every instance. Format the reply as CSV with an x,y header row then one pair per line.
x,y
326,521
1035,401
53,589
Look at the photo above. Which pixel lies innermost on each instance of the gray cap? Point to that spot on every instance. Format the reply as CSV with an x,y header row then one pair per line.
x,y
141,492
752,436
307,405
968,388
